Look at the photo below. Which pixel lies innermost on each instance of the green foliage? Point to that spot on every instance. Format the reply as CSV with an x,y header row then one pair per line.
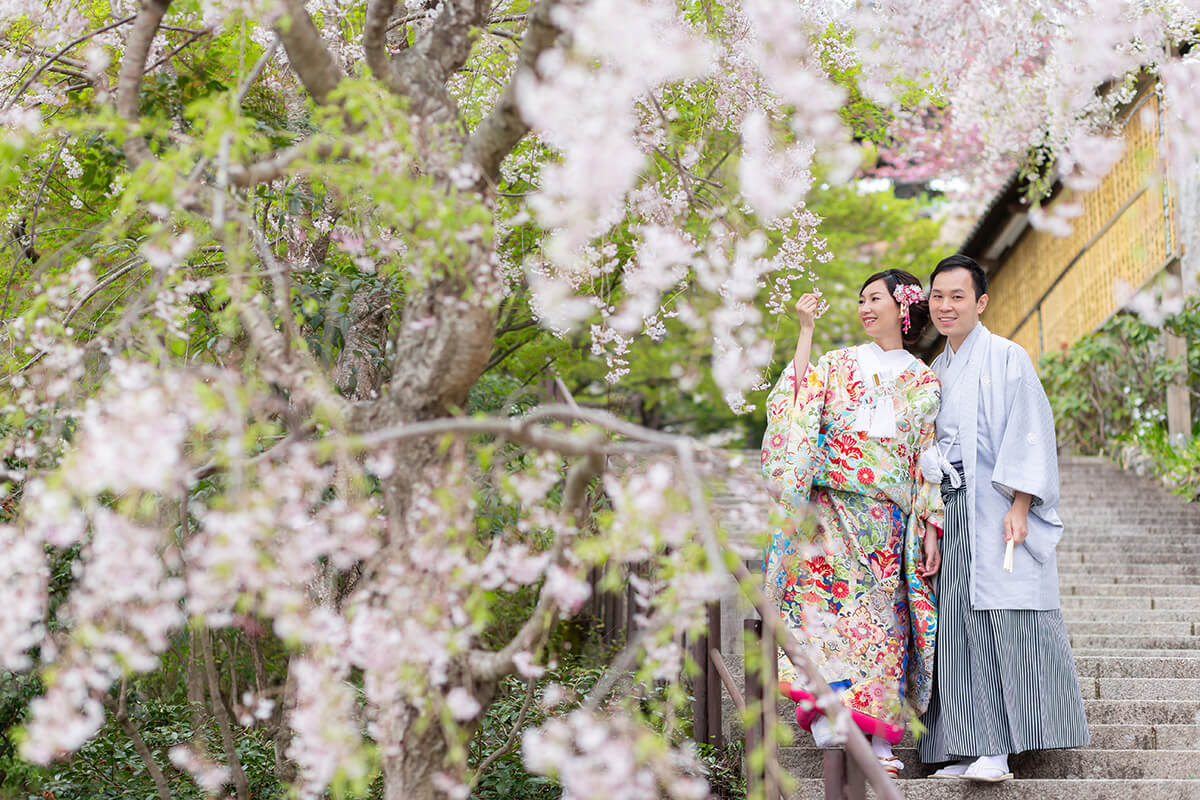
x,y
107,767
670,382
1108,391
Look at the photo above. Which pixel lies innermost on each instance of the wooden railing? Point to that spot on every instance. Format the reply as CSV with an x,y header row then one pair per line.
x,y
845,771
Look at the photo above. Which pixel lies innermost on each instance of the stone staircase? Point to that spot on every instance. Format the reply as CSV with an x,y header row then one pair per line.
x,y
1129,566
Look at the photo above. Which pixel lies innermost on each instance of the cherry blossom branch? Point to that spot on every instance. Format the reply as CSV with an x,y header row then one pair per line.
x,y
186,44
60,53
499,132
491,666
420,72
523,430
504,749
279,164
29,246
375,31
856,744
139,744
129,79
283,365
256,71
620,665
307,52
217,703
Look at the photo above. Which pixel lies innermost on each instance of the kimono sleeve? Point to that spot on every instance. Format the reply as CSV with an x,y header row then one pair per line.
x,y
927,495
793,418
1027,455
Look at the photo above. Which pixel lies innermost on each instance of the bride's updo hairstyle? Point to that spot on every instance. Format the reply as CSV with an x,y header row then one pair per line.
x,y
918,310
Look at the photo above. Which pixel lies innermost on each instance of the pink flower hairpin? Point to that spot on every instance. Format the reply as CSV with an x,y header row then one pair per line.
x,y
906,294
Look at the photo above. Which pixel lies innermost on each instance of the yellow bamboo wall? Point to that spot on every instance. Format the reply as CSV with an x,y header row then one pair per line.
x,y
1131,250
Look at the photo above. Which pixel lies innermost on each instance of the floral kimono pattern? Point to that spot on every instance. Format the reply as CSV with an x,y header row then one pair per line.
x,y
842,566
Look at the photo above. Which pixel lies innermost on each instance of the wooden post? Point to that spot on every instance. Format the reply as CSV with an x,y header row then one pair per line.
x,y
833,770
716,734
755,783
770,695
856,781
1179,403
700,720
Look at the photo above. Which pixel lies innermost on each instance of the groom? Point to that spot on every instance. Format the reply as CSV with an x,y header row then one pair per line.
x,y
1004,675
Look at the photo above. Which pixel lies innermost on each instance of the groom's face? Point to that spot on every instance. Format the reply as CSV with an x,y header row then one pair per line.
x,y
953,305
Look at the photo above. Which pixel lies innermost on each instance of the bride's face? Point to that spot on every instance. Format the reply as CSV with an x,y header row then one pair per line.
x,y
878,311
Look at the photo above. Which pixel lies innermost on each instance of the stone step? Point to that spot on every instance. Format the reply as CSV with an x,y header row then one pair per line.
x,y
1131,667
1106,520
1116,559
1074,615
1122,502
1127,589
1102,711
1130,545
1142,494
1138,712
1149,689
1125,652
1149,789
1075,579
1133,628
1090,640
1145,737
1043,764
1081,510
1168,571
1162,601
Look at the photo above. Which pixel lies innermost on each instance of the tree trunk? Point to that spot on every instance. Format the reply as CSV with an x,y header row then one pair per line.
x,y
441,349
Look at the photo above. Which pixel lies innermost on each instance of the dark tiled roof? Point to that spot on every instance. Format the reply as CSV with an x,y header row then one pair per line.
x,y
993,220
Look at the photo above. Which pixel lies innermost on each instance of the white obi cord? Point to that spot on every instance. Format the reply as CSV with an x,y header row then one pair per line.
x,y
876,413
934,464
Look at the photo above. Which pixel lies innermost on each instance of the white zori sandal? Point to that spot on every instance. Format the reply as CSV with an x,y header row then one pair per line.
x,y
952,771
984,772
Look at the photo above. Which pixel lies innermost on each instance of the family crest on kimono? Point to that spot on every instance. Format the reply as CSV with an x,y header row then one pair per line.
x,y
1004,676
848,567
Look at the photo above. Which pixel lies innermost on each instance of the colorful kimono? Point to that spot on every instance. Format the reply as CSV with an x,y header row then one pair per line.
x,y
841,454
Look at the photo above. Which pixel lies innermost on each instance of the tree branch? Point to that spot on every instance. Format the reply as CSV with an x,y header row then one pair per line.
x,y
60,53
139,745
375,31
306,51
278,164
129,79
217,704
491,666
420,72
496,136
856,744
186,44
530,691
518,430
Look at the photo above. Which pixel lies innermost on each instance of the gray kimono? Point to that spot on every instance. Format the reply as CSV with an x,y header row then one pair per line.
x,y
993,400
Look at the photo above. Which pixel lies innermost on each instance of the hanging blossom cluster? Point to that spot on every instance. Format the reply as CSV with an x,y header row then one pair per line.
x,y
1004,77
602,757
644,226
136,582
762,66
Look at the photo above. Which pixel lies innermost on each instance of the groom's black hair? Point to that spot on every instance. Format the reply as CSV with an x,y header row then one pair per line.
x,y
959,261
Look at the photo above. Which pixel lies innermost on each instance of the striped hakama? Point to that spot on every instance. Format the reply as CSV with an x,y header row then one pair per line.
x,y
1004,680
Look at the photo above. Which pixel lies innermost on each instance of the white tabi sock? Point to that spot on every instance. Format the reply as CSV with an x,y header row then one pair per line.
x,y
999,762
822,733
881,746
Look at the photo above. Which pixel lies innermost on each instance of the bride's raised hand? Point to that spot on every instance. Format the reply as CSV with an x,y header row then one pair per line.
x,y
806,310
